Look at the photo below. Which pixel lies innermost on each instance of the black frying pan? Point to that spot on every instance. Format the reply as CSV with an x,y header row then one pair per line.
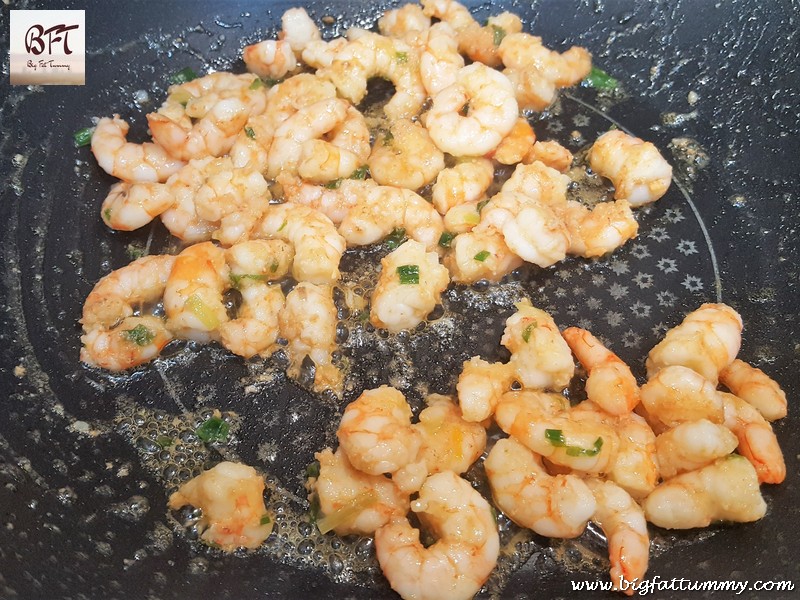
x,y
83,504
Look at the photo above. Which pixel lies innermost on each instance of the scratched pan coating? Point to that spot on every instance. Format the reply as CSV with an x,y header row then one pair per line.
x,y
84,489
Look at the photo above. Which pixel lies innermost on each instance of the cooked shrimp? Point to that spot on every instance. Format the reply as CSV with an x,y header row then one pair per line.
x,y
317,245
231,496
610,384
382,209
539,354
202,117
463,183
599,230
409,288
472,116
375,432
757,441
308,123
623,522
400,22
133,163
270,58
353,502
113,337
536,72
550,153
725,490
333,202
582,445
635,469
677,394
449,443
706,341
480,255
553,506
540,183
215,199
308,322
253,264
516,145
463,218
250,150
322,162
480,386
439,61
352,134
636,168
373,55
692,445
289,96
531,229
405,156
129,206
320,54
755,387
298,30
466,548
193,293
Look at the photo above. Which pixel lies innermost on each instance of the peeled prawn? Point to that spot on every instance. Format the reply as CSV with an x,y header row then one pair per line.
x,y
465,182
480,387
404,156
678,394
755,387
692,445
599,230
130,206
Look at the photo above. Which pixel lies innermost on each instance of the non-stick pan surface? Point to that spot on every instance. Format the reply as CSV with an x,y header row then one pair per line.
x,y
82,492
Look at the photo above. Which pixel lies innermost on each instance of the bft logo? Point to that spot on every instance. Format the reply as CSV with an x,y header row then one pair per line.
x,y
34,42
48,47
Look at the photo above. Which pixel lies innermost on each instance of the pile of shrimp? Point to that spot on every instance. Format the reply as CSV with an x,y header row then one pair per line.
x,y
676,452
224,144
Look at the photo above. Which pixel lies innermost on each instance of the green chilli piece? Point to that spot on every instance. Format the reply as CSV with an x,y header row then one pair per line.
x,y
236,280
482,255
333,185
183,76
83,137
446,239
283,225
139,335
257,83
107,214
498,33
361,172
409,274
265,520
600,80
213,430
556,438
402,57
250,133
397,237
312,470
526,333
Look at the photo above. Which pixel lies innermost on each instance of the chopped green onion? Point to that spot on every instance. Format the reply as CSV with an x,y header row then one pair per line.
x,y
526,333
360,173
575,451
257,83
83,137
265,520
312,470
446,239
139,335
107,214
183,76
556,438
498,33
250,133
236,280
482,255
134,251
409,274
282,225
472,218
213,430
599,79
397,237
271,81
401,57
481,204
164,441
334,185
314,508
201,310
